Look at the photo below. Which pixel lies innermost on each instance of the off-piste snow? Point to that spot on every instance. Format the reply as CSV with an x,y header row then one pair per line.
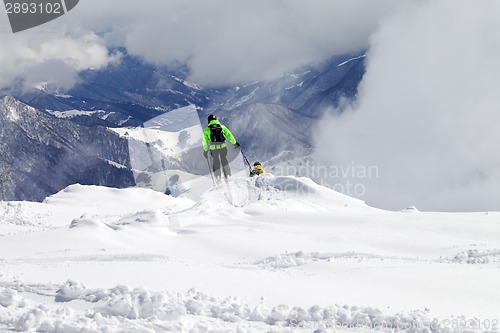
x,y
259,254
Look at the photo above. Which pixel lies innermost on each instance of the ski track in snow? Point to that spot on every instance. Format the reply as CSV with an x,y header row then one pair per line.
x,y
269,254
289,260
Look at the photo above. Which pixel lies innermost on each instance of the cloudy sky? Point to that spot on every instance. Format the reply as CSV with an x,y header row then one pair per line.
x,y
428,110
221,41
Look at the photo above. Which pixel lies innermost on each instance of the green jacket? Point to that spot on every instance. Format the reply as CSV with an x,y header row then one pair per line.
x,y
206,137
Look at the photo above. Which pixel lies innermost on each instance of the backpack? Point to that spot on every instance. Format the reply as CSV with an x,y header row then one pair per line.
x,y
216,134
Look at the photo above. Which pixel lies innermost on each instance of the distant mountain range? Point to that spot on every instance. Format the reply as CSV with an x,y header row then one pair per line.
x,y
50,139
41,154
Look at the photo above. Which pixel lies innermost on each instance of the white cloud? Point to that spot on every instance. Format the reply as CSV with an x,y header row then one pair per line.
x,y
221,41
225,42
53,56
428,110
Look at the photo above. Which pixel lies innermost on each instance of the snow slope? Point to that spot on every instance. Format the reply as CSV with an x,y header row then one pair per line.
x,y
264,254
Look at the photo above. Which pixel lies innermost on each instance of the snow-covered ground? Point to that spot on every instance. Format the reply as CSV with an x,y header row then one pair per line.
x,y
265,254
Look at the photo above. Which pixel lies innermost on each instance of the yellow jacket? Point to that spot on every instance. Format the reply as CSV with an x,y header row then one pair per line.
x,y
257,170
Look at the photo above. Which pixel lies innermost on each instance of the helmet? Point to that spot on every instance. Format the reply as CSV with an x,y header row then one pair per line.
x,y
211,117
256,163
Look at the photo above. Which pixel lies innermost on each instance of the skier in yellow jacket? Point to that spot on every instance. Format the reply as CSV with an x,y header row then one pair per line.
x,y
214,140
257,170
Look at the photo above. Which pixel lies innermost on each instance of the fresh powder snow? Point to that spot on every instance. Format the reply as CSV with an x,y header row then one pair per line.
x,y
262,254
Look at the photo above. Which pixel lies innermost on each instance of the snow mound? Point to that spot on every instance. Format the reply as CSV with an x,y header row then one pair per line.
x,y
475,256
9,297
279,192
85,221
305,189
288,260
70,291
143,219
296,259
146,217
139,310
113,201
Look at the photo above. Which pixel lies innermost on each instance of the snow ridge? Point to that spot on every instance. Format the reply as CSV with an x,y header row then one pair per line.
x,y
124,309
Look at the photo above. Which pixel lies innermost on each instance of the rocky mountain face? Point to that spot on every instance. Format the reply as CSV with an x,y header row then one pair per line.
x,y
41,154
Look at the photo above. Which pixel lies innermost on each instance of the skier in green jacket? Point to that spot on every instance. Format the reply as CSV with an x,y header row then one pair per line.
x,y
214,140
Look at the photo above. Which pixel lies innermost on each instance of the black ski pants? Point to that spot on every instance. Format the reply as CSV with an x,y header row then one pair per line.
x,y
219,157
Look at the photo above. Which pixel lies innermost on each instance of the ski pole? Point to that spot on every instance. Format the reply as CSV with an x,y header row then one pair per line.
x,y
245,159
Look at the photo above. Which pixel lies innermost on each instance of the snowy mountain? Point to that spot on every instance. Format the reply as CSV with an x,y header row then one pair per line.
x,y
126,94
308,91
42,154
63,132
262,254
131,92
